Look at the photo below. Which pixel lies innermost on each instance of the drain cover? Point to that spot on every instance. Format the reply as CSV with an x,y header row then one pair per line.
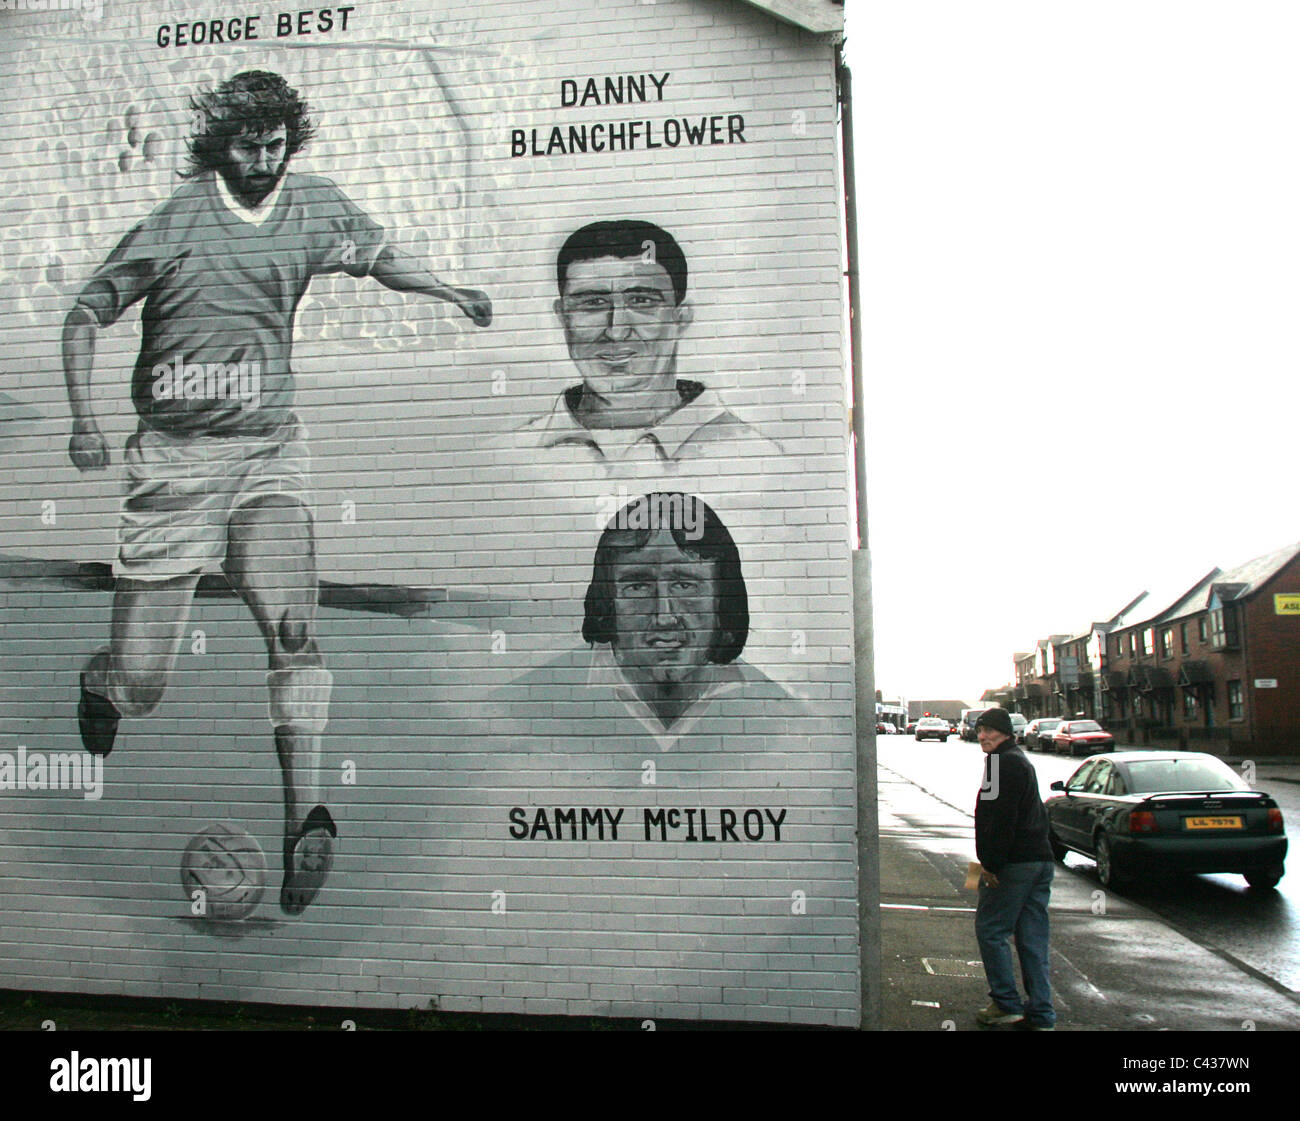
x,y
951,967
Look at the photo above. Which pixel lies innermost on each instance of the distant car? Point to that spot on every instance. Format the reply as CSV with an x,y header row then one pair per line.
x,y
910,729
932,728
1038,733
884,728
1018,723
1139,812
967,727
1081,737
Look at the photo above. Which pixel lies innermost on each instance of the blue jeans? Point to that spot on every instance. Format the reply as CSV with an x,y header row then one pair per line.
x,y
1018,906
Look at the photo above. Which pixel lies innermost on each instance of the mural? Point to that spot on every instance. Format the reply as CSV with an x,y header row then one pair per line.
x,y
549,615
666,618
218,468
623,308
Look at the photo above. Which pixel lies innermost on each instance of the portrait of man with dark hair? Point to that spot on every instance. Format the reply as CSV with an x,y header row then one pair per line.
x,y
666,619
623,308
217,469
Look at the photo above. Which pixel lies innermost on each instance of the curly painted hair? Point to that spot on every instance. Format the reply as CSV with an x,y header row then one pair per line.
x,y
249,104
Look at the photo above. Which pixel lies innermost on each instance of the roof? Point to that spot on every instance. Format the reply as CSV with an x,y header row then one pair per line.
x,y
951,709
1192,600
1142,755
812,15
1121,616
1165,599
1235,583
1254,574
1119,619
1195,673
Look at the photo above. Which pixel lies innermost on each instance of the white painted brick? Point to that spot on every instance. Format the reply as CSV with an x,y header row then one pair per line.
x,y
397,395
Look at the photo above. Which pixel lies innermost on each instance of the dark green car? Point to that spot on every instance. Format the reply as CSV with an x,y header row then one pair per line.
x,y
1160,812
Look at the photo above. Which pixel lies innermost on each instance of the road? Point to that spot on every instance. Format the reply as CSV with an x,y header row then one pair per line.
x,y
1260,931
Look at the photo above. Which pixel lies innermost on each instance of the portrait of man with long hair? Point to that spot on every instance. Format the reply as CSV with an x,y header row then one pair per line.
x,y
217,469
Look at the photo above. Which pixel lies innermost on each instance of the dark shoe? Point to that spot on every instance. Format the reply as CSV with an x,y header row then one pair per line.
x,y
305,872
98,719
997,1016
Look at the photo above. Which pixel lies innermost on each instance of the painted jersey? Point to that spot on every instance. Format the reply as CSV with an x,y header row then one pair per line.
x,y
220,295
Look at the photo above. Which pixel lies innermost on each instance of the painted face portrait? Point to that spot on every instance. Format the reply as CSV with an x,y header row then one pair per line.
x,y
622,323
665,613
255,164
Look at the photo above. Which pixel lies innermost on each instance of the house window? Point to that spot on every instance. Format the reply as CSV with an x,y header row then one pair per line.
x,y
1200,629
1133,645
1189,705
1182,637
1236,705
1149,641
1167,643
1216,627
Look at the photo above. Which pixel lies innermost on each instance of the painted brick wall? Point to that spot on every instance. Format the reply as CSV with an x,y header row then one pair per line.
x,y
454,554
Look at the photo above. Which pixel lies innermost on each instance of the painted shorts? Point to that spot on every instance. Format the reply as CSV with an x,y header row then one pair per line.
x,y
182,492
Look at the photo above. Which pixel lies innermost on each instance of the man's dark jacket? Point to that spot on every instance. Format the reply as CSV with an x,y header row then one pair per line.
x,y
1010,821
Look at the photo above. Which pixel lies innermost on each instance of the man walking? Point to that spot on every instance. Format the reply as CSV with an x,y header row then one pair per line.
x,y
1011,841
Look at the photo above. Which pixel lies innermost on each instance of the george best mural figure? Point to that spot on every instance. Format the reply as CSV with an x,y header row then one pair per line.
x,y
623,308
217,469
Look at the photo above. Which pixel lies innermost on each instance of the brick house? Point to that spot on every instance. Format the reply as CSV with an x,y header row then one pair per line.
x,y
1221,666
1215,667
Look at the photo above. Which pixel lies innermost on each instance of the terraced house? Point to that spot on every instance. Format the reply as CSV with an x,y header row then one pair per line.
x,y
1217,668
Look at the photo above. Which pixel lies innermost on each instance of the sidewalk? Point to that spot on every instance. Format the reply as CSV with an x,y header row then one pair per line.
x,y
1115,965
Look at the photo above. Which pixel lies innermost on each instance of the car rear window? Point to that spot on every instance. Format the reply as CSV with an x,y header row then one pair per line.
x,y
1084,726
1170,776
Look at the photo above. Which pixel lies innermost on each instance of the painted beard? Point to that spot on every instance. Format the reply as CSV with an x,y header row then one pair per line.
x,y
251,190
667,660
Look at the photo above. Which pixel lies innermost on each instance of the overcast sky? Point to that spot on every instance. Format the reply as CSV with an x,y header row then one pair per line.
x,y
1080,251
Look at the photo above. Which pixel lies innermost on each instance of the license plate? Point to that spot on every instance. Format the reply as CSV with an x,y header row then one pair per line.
x,y
1212,823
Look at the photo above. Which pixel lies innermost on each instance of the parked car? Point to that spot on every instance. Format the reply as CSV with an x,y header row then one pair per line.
x,y
932,728
1145,812
1018,723
885,728
910,729
1038,733
967,727
1081,737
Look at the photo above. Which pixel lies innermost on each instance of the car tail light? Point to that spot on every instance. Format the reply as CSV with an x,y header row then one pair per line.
x,y
1142,821
1275,820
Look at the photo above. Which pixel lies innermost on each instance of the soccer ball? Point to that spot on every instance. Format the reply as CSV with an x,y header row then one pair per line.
x,y
223,873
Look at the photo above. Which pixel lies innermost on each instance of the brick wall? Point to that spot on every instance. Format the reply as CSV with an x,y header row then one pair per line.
x,y
1272,652
455,555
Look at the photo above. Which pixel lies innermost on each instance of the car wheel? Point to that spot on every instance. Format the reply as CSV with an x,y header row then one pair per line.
x,y
1107,872
943,739
1266,878
1058,849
